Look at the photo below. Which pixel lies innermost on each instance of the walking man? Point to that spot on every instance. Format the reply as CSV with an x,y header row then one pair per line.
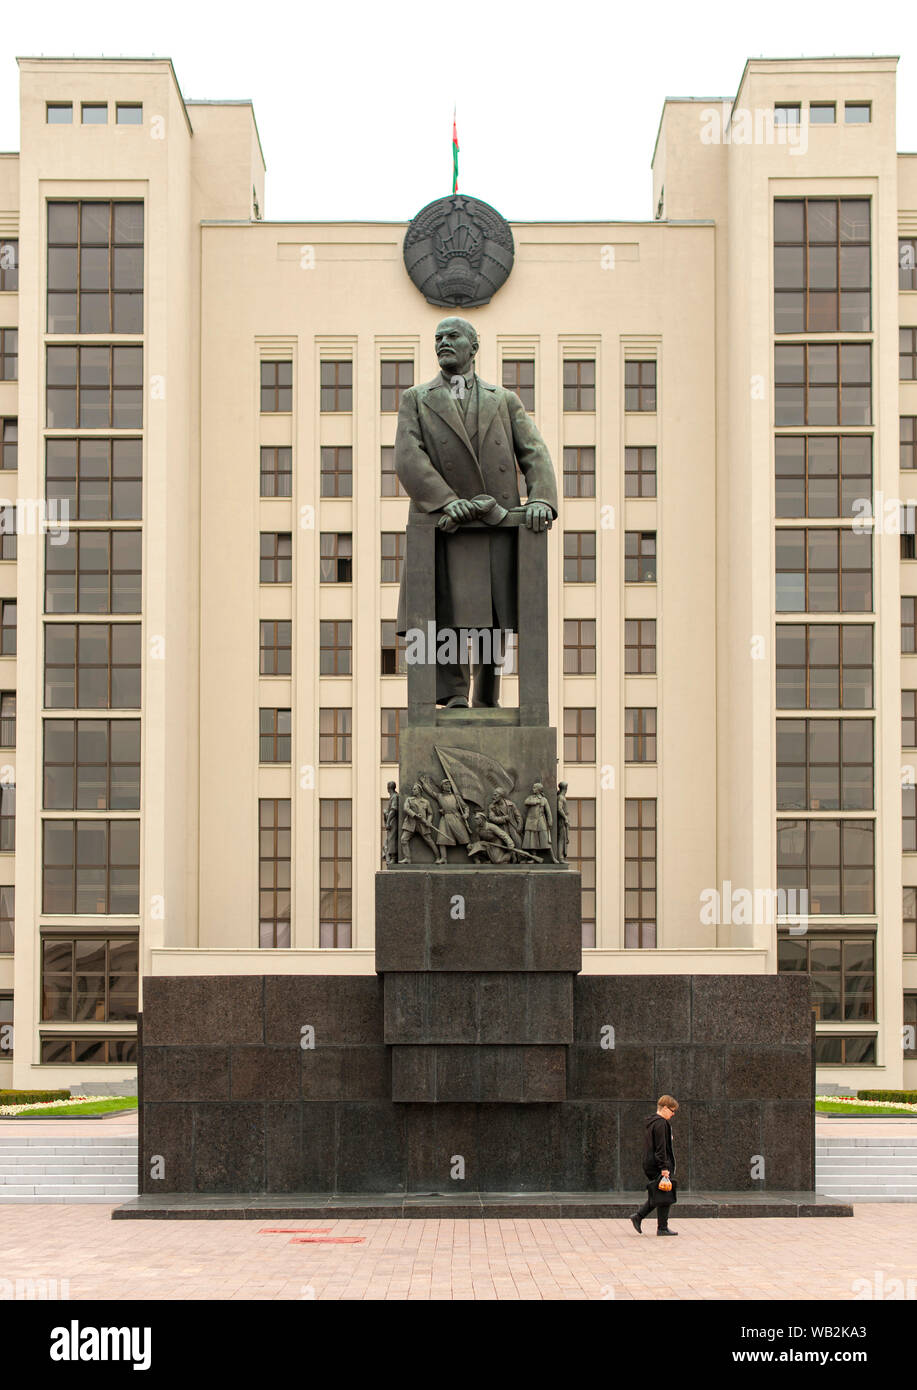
x,y
658,1162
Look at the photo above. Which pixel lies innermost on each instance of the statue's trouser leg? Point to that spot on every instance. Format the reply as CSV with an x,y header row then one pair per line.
x,y
451,681
486,686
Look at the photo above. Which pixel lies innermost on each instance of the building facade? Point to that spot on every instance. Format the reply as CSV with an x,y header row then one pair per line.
x,y
201,685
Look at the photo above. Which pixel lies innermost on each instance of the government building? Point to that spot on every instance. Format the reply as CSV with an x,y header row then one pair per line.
x,y
202,537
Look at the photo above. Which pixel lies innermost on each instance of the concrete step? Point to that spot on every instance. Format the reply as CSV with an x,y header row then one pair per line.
x,y
60,1199
63,1175
58,1190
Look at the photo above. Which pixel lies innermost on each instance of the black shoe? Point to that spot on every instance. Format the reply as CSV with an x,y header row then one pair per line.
x,y
664,1231
635,1221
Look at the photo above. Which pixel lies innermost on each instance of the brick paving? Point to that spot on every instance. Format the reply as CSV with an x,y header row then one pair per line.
x,y
450,1259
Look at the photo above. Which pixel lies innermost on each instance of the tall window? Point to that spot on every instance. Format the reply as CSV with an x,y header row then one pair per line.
x,y
91,765
824,666
393,659
909,719
579,557
336,557
276,388
335,648
821,265
907,263
8,536
907,428
823,384
824,764
640,472
581,856
93,572
519,376
579,385
335,851
7,918
822,475
833,859
395,379
335,727
908,625
639,873
393,721
92,665
640,735
579,735
579,471
274,872
9,264
908,820
640,557
274,735
95,388
392,556
95,267
89,979
277,471
640,646
91,866
640,386
842,973
337,470
337,386
98,479
8,719
8,627
909,920
7,817
9,354
276,647
276,557
391,483
579,646
907,354
823,570
9,443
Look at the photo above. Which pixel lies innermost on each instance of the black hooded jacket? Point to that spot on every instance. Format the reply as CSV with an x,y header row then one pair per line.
x,y
658,1152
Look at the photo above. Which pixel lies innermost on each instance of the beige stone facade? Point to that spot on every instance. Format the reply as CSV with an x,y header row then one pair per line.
x,y
689,295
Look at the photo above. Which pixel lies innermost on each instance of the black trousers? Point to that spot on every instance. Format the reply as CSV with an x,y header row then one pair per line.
x,y
661,1209
454,680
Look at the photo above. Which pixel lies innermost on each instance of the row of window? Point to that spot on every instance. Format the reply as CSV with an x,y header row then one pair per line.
x,y
822,112
94,112
336,648
335,743
336,385
336,471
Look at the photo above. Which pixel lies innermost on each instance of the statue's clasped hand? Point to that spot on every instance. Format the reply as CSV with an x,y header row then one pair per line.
x,y
538,516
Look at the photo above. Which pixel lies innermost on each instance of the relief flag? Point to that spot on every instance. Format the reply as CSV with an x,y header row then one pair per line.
x,y
455,153
475,776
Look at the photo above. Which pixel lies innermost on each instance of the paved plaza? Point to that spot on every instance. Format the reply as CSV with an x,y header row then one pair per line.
x,y
774,1258
480,1259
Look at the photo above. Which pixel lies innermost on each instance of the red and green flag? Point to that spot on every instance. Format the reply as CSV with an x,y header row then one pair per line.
x,y
455,155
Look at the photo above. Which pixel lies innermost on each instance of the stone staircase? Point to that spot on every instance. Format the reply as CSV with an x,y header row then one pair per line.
x,y
55,1168
867,1169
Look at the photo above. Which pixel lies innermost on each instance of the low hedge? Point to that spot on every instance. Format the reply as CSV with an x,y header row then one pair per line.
x,y
905,1097
31,1097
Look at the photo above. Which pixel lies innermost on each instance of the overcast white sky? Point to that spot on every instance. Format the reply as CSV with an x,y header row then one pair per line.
x,y
558,104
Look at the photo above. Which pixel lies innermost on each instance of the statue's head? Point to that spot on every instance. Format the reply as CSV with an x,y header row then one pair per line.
x,y
480,818
456,345
561,786
538,787
415,790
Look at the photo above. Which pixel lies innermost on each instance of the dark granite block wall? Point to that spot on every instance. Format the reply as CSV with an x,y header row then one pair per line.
x,y
233,1102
